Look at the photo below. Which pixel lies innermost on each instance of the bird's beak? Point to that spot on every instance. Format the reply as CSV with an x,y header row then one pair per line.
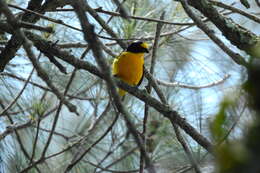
x,y
145,46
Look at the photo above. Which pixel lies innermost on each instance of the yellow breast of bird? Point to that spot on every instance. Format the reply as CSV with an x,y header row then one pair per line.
x,y
129,67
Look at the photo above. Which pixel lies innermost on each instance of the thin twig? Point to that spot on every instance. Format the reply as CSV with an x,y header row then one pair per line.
x,y
92,39
18,95
5,111
152,82
120,158
70,146
122,9
35,27
44,17
55,133
111,17
258,3
81,155
49,90
235,56
111,151
94,14
100,10
157,105
109,170
233,125
149,38
36,139
13,76
44,76
181,85
11,128
148,87
37,131
155,85
185,148
60,106
236,10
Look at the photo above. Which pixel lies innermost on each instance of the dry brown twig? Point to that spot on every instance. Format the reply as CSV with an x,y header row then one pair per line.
x,y
93,42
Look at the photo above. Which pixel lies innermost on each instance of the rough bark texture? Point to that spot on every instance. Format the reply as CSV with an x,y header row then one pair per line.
x,y
15,43
236,34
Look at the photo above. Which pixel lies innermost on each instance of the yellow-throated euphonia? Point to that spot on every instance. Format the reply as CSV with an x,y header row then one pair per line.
x,y
128,66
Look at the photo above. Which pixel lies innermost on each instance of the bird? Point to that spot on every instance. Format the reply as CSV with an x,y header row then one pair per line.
x,y
129,65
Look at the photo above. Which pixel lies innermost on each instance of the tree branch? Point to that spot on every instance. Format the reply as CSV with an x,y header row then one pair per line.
x,y
181,85
236,34
148,87
93,42
235,56
164,109
236,10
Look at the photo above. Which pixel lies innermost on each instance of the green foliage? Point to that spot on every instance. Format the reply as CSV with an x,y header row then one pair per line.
x,y
254,50
232,157
40,108
244,155
48,35
218,126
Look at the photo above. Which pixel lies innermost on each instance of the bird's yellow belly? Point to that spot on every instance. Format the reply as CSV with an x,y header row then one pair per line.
x,y
130,68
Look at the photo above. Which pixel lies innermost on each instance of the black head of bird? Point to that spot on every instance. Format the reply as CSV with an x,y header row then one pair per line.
x,y
138,47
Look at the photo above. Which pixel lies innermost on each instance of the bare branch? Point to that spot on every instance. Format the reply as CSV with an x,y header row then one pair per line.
x,y
81,140
236,10
14,43
92,39
120,158
164,109
18,95
153,83
100,10
94,14
44,17
148,87
181,85
121,8
236,34
257,2
235,56
81,154
39,69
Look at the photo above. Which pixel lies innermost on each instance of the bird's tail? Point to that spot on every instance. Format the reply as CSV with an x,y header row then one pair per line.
x,y
121,92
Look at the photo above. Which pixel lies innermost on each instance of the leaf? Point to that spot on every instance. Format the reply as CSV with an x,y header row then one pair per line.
x,y
217,127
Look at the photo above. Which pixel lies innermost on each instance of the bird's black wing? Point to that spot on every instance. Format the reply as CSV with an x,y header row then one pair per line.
x,y
139,83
